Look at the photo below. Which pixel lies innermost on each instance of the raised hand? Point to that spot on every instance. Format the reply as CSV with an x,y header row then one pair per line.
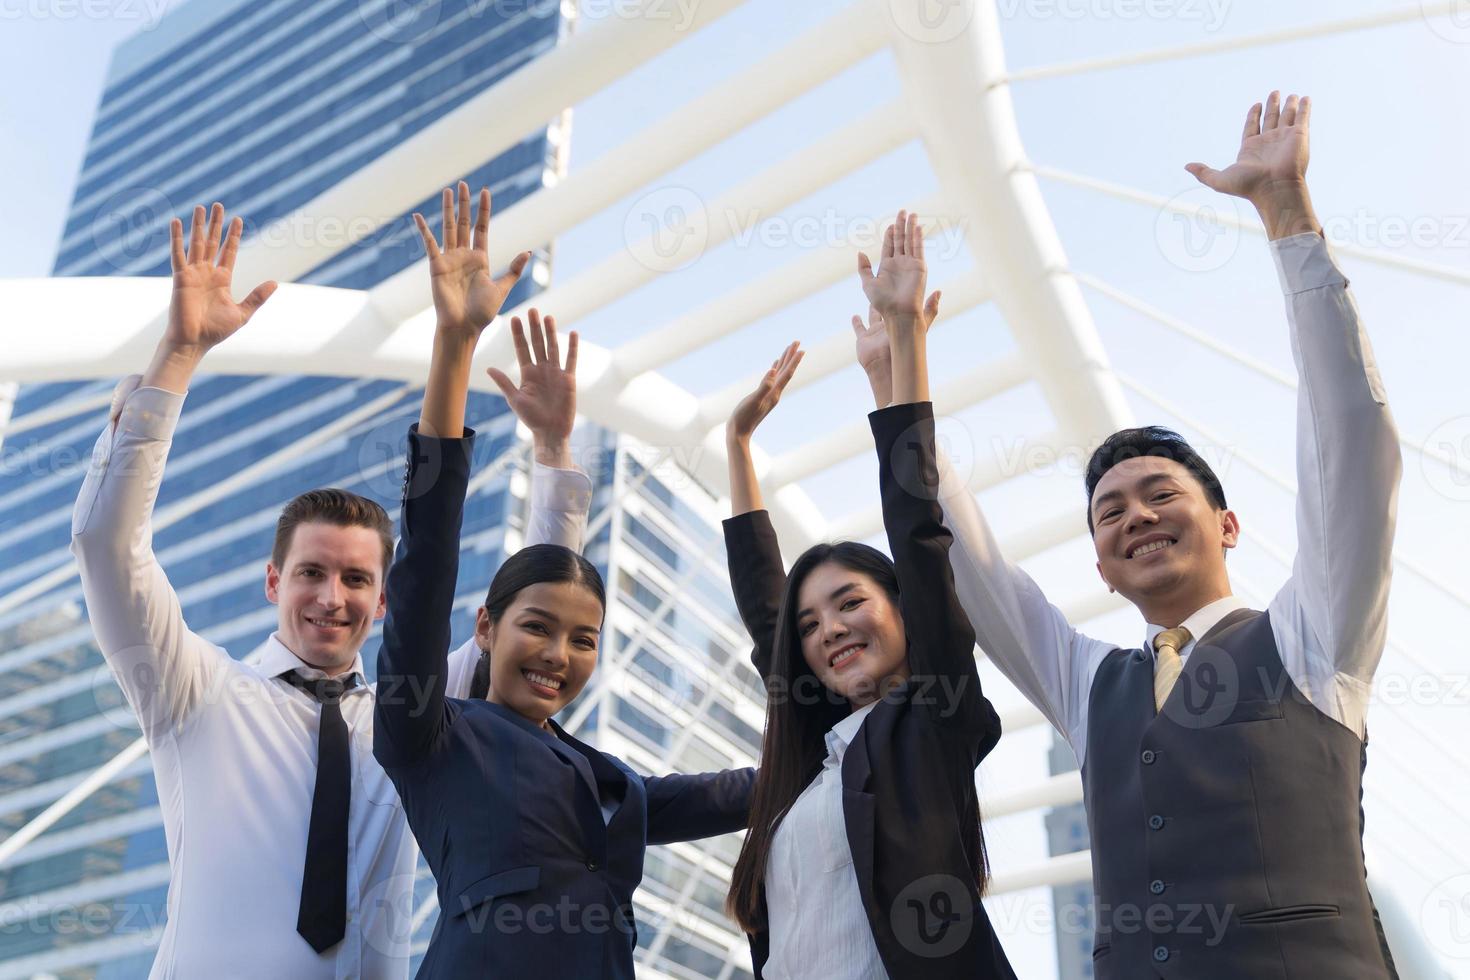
x,y
546,399
1270,169
745,488
466,297
873,352
754,407
897,289
201,313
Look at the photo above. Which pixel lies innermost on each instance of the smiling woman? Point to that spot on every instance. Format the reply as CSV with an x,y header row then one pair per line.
x,y
864,858
536,840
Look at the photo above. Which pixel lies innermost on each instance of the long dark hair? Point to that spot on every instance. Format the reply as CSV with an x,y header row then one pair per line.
x,y
799,713
531,566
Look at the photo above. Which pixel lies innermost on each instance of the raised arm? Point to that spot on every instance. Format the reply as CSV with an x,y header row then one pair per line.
x,y
1024,635
752,552
941,642
411,710
162,667
1331,617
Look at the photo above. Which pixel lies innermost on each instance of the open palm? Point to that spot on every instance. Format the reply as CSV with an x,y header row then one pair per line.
x,y
1273,150
546,399
754,407
897,289
202,313
466,296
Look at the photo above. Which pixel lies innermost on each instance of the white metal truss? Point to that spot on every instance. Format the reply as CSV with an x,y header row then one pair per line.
x,y
956,98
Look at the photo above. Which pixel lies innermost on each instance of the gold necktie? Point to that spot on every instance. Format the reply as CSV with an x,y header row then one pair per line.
x,y
1167,664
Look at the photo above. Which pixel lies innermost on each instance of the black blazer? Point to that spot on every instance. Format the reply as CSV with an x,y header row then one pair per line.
x,y
531,881
908,777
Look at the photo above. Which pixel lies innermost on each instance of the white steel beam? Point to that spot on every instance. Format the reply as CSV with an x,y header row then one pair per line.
x,y
975,149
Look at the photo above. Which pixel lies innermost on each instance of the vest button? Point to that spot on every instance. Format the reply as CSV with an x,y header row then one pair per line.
x,y
1148,757
1160,954
1155,822
591,865
1156,886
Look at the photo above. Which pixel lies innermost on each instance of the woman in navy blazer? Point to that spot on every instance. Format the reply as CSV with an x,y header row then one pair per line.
x,y
535,839
885,836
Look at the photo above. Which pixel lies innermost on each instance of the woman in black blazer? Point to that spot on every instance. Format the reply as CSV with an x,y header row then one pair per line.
x,y
864,857
536,840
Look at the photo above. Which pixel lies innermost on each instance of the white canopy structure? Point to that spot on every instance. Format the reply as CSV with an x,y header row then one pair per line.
x,y
956,99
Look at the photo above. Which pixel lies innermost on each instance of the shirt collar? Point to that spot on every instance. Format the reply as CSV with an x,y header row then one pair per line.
x,y
1200,622
840,735
276,659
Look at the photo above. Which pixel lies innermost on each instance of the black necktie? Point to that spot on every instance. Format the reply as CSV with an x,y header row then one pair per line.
x,y
322,918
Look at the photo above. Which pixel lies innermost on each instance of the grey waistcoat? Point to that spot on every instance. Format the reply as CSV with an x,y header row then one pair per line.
x,y
1226,829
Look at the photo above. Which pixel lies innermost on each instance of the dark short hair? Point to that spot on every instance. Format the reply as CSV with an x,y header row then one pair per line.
x,y
340,508
1150,440
532,566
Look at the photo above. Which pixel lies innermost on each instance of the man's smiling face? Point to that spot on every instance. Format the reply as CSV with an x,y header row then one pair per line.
x,y
1160,539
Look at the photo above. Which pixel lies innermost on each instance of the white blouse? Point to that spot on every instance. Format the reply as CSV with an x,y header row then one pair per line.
x,y
818,927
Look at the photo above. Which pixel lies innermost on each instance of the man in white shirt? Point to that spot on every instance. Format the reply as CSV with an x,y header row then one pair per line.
x,y
289,853
1222,761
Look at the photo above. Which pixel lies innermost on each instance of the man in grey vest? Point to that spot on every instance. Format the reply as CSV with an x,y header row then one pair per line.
x,y
1222,761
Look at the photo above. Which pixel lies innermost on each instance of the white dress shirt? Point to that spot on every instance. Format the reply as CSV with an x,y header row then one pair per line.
x,y
1330,618
234,749
818,927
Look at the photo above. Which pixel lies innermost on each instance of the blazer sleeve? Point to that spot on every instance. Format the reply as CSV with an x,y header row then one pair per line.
x,y
757,579
941,642
695,805
413,663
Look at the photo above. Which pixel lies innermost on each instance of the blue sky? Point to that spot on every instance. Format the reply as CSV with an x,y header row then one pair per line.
x,y
1389,148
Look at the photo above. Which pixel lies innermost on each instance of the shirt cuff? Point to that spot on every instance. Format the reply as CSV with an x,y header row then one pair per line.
x,y
555,489
1303,262
151,413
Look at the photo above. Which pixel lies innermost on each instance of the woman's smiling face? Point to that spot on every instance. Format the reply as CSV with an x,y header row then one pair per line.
x,y
543,648
851,632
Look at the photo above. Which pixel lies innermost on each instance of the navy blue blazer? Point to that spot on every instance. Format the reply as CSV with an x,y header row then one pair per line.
x,y
530,880
908,779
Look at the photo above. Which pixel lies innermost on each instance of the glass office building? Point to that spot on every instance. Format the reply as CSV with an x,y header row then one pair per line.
x,y
264,105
